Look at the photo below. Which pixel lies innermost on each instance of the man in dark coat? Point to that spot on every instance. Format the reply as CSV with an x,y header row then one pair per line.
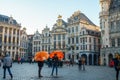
x,y
55,64
117,65
40,65
79,63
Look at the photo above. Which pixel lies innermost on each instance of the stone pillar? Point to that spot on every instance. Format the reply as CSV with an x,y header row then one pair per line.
x,y
15,43
97,59
19,42
106,56
92,59
87,59
3,37
7,35
116,42
11,40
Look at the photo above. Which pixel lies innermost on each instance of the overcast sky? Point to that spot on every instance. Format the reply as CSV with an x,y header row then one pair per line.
x,y
36,14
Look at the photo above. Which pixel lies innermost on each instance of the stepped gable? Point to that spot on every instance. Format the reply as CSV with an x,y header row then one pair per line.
x,y
78,16
84,17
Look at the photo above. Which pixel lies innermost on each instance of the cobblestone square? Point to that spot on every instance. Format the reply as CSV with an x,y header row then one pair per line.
x,y
28,71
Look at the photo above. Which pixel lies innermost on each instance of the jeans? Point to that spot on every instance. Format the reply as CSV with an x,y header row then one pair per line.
x,y
83,66
55,66
8,71
117,74
39,71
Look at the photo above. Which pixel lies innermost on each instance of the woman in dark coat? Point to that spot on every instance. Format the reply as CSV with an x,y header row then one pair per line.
x,y
55,64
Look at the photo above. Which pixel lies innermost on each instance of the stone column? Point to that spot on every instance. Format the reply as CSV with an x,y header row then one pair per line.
x,y
106,56
97,59
3,37
92,59
87,59
15,43
7,42
19,42
7,35
11,41
116,42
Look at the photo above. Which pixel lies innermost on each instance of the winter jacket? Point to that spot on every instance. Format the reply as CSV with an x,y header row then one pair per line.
x,y
7,61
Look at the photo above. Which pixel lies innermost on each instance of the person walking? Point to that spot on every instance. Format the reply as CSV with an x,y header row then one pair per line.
x,y
83,63
0,62
7,64
40,65
71,62
79,63
55,62
117,64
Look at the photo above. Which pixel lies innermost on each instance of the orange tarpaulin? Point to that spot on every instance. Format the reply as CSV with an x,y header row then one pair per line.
x,y
41,56
58,53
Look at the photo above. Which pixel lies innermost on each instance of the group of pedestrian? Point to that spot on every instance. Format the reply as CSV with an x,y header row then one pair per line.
x,y
7,64
55,62
20,60
81,63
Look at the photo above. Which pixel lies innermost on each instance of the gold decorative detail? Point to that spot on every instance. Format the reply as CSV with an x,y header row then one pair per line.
x,y
59,23
59,16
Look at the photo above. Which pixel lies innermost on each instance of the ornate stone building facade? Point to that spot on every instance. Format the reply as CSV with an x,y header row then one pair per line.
x,y
110,29
36,43
83,38
29,51
23,44
9,36
46,39
58,35
77,37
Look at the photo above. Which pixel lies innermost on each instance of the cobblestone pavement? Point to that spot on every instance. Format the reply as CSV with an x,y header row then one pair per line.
x,y
28,71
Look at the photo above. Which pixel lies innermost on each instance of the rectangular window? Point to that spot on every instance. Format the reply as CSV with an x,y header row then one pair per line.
x,y
1,29
83,40
63,44
59,44
76,39
59,37
69,30
89,47
113,42
86,39
54,37
81,47
76,28
94,40
118,42
73,29
86,47
63,37
90,39
14,31
54,45
68,40
49,40
72,40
